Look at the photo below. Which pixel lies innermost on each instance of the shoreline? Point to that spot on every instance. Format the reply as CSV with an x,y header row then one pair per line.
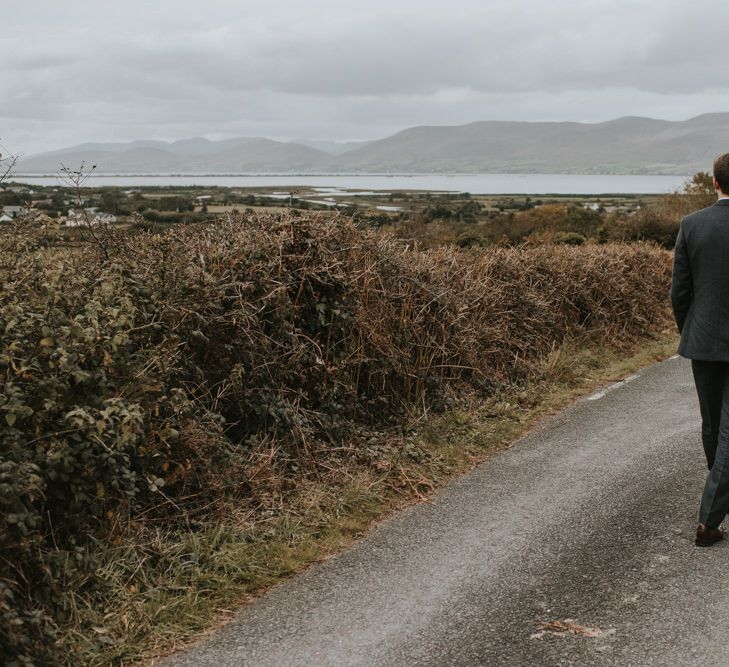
x,y
447,183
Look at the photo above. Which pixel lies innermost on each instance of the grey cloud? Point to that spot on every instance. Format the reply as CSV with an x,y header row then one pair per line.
x,y
488,50
348,70
395,51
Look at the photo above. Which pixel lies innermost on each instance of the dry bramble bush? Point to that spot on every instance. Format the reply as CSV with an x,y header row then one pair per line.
x,y
145,381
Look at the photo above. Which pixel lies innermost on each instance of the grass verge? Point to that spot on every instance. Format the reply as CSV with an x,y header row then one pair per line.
x,y
167,588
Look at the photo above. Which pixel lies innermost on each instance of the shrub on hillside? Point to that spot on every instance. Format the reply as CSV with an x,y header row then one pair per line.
x,y
569,238
139,380
546,221
659,221
652,224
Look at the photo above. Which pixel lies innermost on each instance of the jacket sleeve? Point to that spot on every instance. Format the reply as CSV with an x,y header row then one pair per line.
x,y
681,283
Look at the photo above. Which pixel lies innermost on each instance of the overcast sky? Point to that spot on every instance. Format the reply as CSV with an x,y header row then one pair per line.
x,y
115,70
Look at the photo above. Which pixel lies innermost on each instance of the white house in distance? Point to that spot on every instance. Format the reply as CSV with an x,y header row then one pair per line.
x,y
14,211
89,216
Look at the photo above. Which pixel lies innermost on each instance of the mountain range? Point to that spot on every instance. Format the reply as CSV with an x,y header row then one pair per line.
x,y
629,145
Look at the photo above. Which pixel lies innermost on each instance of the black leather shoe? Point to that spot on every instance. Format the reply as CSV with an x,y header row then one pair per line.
x,y
706,536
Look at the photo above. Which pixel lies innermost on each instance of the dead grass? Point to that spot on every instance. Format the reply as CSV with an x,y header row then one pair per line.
x,y
170,588
269,386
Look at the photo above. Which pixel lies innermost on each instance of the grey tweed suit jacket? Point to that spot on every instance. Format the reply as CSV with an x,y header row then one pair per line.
x,y
700,283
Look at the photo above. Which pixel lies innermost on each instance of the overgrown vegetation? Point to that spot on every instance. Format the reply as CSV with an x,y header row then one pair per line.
x,y
204,376
428,219
517,221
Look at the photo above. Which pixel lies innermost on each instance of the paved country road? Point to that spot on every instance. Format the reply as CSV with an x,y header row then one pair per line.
x,y
590,517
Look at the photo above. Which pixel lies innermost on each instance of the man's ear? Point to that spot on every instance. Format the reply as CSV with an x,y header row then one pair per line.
x,y
716,185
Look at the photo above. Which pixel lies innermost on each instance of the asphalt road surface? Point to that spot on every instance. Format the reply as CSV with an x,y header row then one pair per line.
x,y
591,517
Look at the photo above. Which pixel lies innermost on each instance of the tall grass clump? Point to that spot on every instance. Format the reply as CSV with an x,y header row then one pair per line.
x,y
142,385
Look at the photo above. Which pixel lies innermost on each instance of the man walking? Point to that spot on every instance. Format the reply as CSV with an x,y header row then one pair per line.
x,y
700,300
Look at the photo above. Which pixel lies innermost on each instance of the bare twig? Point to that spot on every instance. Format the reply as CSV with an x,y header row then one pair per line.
x,y
7,162
76,180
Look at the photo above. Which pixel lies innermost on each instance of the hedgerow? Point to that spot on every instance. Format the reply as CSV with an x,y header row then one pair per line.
x,y
138,381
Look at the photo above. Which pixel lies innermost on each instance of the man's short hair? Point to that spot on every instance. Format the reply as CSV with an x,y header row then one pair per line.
x,y
721,172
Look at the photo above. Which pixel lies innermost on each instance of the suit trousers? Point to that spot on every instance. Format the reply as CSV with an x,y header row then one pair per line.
x,y
712,385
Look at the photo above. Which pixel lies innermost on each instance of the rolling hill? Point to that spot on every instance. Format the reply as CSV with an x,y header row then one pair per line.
x,y
629,145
